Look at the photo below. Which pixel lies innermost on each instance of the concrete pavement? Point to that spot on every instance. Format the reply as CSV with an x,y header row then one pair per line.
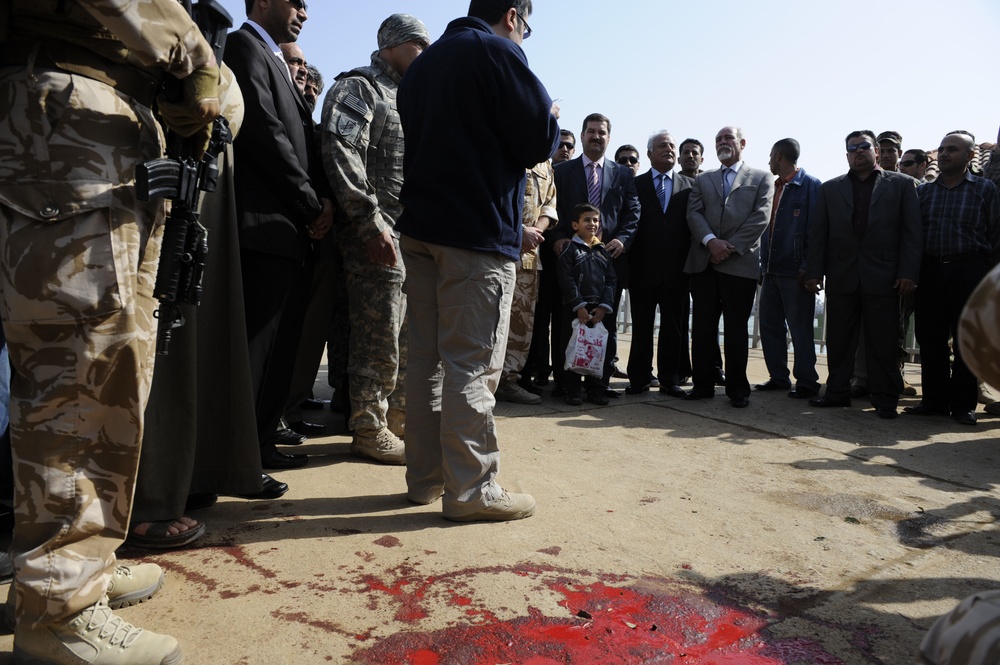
x,y
666,532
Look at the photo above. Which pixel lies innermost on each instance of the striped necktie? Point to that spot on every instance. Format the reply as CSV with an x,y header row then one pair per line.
x,y
594,185
661,191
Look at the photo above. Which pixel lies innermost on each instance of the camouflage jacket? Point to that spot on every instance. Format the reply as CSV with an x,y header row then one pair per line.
x,y
154,35
539,201
362,145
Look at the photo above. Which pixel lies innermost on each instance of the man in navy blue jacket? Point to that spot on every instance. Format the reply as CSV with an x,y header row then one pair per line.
x,y
460,236
783,297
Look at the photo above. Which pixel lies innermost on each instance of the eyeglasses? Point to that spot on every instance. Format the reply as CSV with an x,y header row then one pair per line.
x,y
629,159
908,162
527,28
298,4
860,146
567,145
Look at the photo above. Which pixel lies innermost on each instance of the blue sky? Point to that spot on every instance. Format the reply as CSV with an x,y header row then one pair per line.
x,y
808,70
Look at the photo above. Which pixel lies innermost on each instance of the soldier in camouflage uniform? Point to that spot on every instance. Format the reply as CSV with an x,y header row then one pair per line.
x,y
362,144
538,214
78,257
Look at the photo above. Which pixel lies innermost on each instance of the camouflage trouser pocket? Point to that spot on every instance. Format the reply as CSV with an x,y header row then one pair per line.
x,y
60,262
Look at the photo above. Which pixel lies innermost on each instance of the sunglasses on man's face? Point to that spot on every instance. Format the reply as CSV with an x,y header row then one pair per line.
x,y
860,146
566,145
908,162
630,160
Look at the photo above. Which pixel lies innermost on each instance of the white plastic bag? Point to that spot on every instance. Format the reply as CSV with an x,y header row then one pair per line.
x,y
586,348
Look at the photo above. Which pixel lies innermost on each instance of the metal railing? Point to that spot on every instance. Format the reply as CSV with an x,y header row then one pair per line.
x,y
753,329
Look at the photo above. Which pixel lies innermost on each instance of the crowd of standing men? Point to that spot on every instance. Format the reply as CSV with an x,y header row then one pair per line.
x,y
344,234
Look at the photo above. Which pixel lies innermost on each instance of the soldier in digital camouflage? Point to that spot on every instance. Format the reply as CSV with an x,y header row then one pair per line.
x,y
78,256
362,145
538,214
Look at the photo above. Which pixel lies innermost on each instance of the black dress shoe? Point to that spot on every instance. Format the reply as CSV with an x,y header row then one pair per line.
x,y
720,377
312,404
200,501
824,402
673,391
694,394
272,459
617,373
306,428
635,390
886,412
858,391
740,402
771,384
654,382
272,489
597,397
559,391
925,410
612,393
541,380
526,383
802,392
286,437
964,417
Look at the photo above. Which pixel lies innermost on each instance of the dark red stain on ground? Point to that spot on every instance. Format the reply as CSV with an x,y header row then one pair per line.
x,y
554,550
645,621
389,541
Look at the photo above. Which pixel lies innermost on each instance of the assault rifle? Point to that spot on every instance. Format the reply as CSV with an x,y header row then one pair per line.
x,y
181,178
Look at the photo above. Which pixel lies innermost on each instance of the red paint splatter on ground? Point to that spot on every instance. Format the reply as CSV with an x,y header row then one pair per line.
x,y
189,575
407,588
389,541
240,554
658,621
554,550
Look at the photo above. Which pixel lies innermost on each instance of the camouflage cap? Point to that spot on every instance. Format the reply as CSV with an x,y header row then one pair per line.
x,y
401,28
891,136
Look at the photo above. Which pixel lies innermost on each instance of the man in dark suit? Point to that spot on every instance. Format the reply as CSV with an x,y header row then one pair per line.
x,y
656,271
594,179
728,210
278,180
866,242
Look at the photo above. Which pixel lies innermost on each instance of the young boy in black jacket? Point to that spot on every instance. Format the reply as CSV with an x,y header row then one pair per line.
x,y
587,281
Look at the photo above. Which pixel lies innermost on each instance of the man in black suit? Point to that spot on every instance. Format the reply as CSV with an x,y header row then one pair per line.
x,y
278,180
656,265
866,241
594,179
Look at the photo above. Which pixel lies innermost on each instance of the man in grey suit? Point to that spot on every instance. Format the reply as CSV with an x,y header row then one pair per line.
x,y
727,212
866,241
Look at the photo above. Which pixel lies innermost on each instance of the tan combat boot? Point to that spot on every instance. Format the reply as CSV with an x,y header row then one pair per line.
x,y
380,445
130,585
94,636
397,422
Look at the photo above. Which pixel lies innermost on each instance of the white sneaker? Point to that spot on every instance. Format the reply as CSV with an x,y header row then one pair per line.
x,y
509,391
507,507
94,636
382,446
130,585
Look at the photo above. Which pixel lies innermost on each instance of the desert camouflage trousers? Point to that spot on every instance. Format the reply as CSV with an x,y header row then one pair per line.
x,y
78,256
969,634
522,322
376,361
